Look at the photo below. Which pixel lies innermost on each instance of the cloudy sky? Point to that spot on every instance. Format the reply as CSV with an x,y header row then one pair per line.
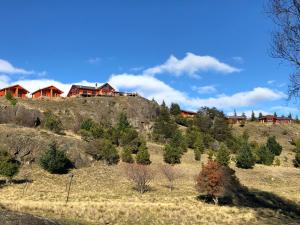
x,y
195,53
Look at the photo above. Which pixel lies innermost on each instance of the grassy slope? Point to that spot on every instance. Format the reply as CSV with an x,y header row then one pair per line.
x,y
101,195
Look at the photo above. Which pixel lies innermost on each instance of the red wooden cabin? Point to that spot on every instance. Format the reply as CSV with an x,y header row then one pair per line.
x,y
270,119
236,119
186,114
16,91
267,119
86,91
50,92
283,120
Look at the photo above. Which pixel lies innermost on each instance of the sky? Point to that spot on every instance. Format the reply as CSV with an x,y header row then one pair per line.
x,y
196,53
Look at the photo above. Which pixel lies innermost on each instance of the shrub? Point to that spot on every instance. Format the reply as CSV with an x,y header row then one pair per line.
x,y
264,155
274,146
128,137
171,174
55,161
108,152
172,154
8,166
140,175
87,124
143,156
198,148
127,155
277,162
297,159
223,155
53,123
10,98
216,181
245,158
175,109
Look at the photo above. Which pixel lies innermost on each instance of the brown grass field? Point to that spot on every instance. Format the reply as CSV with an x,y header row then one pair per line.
x,y
102,195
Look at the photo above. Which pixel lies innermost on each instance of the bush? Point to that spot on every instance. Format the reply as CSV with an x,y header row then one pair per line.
x,y
245,158
264,156
87,124
274,146
171,174
198,148
143,156
108,152
53,123
10,98
297,159
140,175
172,154
127,155
223,155
55,161
8,166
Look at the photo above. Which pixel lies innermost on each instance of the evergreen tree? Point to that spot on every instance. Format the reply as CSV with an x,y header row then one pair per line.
x,y
179,141
245,158
8,166
55,161
198,148
172,154
192,133
253,118
220,130
108,152
175,109
127,155
123,123
260,115
223,155
234,113
143,156
290,116
274,146
264,155
243,114
297,119
275,114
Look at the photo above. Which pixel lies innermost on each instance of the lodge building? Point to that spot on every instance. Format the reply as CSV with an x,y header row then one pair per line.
x,y
271,119
16,91
50,92
236,119
87,91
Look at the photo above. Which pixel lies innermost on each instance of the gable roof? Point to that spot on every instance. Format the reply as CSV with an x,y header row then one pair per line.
x,y
105,84
47,88
15,85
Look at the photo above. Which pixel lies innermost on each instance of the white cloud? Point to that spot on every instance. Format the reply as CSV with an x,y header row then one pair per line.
x,y
95,60
238,59
7,68
150,87
271,81
191,65
4,80
208,89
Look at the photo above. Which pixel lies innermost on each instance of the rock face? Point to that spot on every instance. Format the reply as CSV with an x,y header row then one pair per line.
x,y
14,218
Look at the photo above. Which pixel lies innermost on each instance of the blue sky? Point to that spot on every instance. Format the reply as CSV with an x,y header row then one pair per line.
x,y
196,53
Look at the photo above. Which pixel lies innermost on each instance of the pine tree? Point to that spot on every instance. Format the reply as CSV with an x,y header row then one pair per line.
x,y
253,118
127,155
274,146
123,122
245,158
8,166
175,109
275,114
172,154
179,141
108,152
265,156
223,155
290,116
234,113
260,115
143,156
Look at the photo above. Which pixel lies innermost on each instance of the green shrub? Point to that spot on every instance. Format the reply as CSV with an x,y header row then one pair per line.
x,y
297,159
10,98
277,162
127,155
8,166
172,154
143,156
87,124
108,152
198,148
53,123
55,161
264,155
223,155
274,146
245,158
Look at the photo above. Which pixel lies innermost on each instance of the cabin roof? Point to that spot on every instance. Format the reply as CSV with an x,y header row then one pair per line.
x,y
15,85
186,111
48,88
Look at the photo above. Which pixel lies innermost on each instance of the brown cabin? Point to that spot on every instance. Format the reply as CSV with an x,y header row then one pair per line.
x,y
236,119
187,114
16,91
87,91
50,92
271,119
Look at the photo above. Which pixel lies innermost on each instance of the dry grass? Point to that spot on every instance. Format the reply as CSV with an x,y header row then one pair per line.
x,y
101,195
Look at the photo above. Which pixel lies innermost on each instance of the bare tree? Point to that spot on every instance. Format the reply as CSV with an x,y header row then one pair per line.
x,y
171,174
286,38
140,175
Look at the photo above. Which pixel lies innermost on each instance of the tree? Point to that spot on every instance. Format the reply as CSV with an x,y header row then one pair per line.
x,y
123,122
253,118
223,155
274,146
143,156
297,159
198,148
140,175
8,166
191,135
260,115
55,161
11,98
175,109
108,152
127,155
171,174
245,158
264,156
172,154
178,140
53,123
220,129
286,38
234,113
290,116
275,114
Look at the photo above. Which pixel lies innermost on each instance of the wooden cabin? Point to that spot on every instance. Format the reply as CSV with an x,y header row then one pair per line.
x,y
87,91
271,119
187,114
50,92
284,120
236,119
16,91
